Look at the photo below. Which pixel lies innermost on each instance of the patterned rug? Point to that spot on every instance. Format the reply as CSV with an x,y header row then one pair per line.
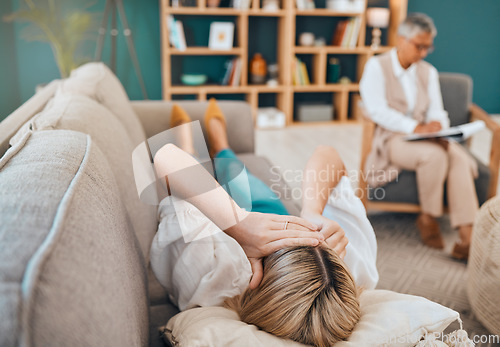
x,y
407,266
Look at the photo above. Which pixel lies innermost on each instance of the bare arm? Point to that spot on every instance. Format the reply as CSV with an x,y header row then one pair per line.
x,y
323,172
258,234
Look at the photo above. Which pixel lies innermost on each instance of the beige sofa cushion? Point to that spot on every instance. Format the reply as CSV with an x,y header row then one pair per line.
x,y
71,272
155,118
80,113
98,82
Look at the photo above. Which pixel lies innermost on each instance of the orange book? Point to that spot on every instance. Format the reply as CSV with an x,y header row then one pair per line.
x,y
339,32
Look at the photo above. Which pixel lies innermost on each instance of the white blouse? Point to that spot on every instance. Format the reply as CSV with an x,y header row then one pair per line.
x,y
372,90
200,265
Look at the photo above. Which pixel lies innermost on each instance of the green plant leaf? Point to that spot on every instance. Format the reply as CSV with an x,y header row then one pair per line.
x,y
65,25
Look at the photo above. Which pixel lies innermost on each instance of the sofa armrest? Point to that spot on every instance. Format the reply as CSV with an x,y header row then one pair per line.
x,y
155,118
477,113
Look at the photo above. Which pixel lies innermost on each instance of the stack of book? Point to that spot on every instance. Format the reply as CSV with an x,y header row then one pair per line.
x,y
347,33
176,33
299,73
232,75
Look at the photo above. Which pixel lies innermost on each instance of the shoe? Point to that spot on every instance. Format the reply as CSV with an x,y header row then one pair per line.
x,y
178,116
460,251
429,232
213,111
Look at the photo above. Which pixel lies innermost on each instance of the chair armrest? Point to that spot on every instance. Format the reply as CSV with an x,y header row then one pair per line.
x,y
477,113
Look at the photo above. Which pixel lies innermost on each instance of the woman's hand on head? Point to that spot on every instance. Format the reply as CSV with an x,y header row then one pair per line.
x,y
260,234
334,234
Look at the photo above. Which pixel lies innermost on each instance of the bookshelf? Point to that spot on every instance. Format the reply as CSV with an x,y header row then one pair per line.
x,y
289,23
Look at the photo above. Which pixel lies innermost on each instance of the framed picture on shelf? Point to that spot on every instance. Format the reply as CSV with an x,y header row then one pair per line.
x,y
221,35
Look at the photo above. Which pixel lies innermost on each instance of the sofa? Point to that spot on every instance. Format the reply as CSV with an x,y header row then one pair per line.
x,y
76,230
74,234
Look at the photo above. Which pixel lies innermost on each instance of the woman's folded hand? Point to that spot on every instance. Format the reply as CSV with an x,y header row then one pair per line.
x,y
334,235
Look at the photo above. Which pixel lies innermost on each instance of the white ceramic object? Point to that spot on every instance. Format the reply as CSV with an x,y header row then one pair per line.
x,y
306,39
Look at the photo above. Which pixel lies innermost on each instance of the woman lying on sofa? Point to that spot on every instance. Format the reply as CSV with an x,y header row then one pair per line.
x,y
302,290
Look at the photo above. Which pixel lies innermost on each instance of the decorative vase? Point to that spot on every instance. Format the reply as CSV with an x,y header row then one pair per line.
x,y
258,69
213,3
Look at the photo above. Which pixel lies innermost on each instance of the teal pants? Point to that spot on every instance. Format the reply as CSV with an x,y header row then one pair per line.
x,y
247,191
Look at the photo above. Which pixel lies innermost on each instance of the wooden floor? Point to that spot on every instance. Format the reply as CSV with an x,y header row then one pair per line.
x,y
289,148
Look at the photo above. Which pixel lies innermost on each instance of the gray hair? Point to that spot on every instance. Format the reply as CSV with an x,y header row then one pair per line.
x,y
415,24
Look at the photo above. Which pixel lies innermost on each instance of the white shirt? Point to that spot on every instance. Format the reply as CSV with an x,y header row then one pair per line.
x,y
372,90
200,265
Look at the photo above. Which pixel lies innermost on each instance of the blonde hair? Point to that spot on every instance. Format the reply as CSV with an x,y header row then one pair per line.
x,y
307,295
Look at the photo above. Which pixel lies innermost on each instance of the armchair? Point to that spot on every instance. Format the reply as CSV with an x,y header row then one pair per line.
x,y
401,195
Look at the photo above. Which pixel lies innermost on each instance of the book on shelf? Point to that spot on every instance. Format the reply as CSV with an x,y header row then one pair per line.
x,y
347,32
181,38
237,73
176,35
458,133
303,74
339,32
232,74
227,73
354,34
300,76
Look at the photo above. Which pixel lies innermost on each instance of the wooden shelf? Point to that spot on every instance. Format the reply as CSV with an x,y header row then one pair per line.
x,y
218,89
327,13
288,25
261,13
263,88
200,11
338,50
330,87
205,51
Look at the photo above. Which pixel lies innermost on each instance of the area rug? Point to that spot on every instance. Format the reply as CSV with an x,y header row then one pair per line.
x,y
407,266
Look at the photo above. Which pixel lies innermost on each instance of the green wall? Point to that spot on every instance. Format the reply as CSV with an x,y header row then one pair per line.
x,y
468,41
9,87
23,65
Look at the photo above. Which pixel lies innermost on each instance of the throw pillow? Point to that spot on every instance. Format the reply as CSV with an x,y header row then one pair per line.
x,y
98,82
387,319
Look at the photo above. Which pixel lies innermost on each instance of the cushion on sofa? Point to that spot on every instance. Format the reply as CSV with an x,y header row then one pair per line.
x,y
387,319
83,114
71,271
155,118
98,82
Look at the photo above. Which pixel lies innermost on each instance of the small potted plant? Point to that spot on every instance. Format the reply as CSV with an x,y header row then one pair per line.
x,y
60,23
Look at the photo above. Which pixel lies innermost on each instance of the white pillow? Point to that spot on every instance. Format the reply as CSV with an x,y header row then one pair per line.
x,y
387,319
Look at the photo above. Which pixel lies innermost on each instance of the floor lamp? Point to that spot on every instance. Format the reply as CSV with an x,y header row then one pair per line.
x,y
111,7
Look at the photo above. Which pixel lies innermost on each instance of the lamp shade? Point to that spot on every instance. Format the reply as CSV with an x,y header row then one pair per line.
x,y
377,17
